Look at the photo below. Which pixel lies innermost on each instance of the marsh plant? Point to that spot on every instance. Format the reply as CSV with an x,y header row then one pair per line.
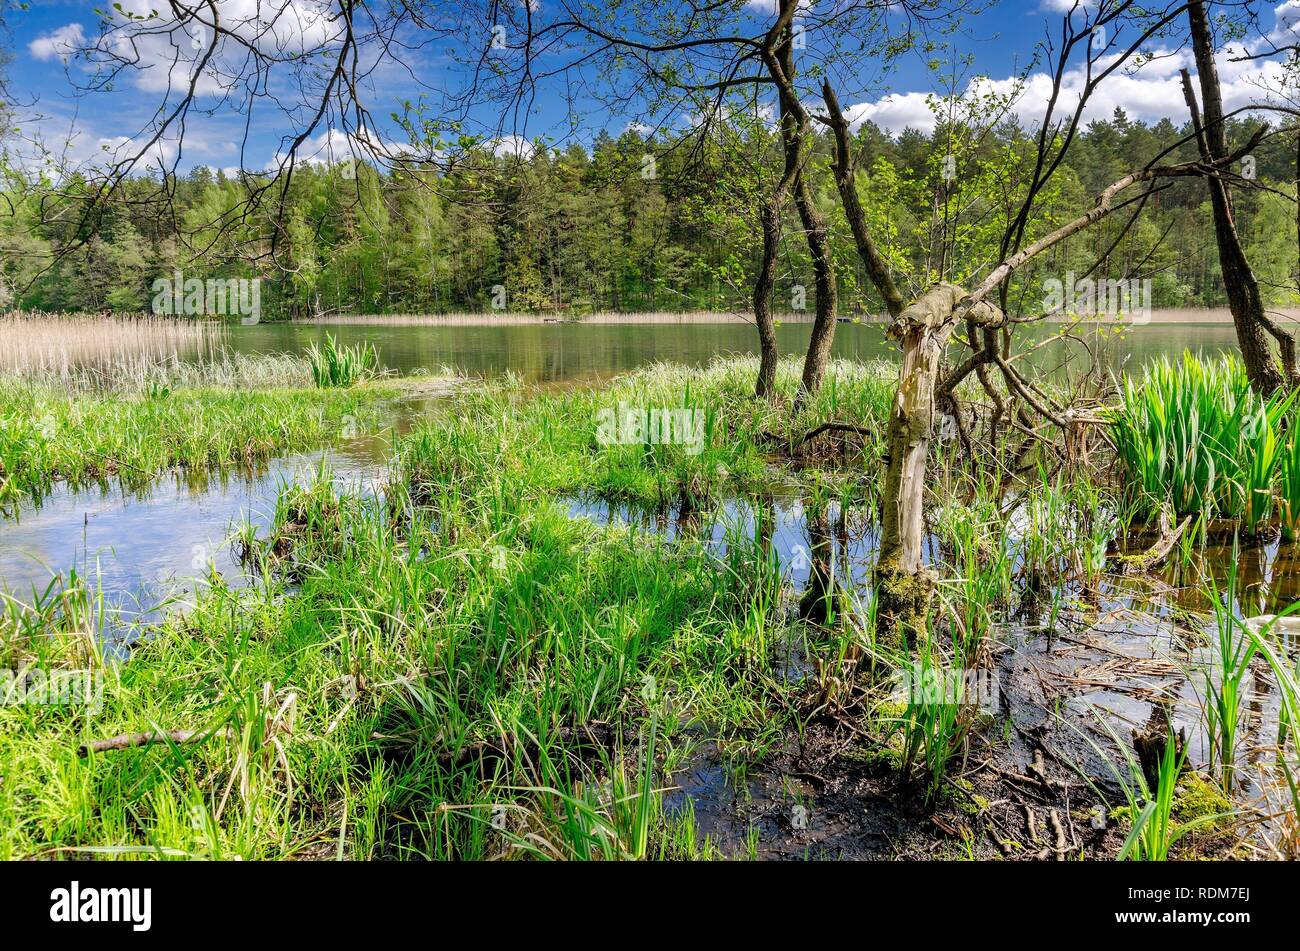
x,y
1286,673
1225,677
1289,487
1155,824
656,426
335,365
57,348
50,435
939,708
1192,433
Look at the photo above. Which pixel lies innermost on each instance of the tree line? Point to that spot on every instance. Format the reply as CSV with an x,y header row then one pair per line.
x,y
639,222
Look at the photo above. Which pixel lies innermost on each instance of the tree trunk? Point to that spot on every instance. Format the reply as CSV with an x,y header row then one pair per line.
x,y
1244,300
765,387
904,586
823,330
846,183
793,126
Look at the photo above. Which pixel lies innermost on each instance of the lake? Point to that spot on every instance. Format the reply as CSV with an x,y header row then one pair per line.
x,y
546,353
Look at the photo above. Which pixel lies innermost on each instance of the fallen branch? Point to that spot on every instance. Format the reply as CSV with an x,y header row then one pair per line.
x,y
125,741
1155,555
834,427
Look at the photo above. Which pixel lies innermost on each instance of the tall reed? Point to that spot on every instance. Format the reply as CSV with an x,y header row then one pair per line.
x,y
66,346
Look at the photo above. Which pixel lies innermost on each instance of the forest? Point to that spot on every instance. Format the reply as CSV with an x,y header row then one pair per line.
x,y
580,230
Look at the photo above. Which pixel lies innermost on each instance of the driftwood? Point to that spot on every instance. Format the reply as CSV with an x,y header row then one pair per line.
x,y
125,741
1156,555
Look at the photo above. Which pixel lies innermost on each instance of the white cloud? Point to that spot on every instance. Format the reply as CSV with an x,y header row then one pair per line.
x,y
331,147
336,147
1150,93
58,44
159,156
1065,6
1286,29
894,113
166,50
515,145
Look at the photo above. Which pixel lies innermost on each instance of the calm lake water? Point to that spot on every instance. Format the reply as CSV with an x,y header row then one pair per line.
x,y
560,352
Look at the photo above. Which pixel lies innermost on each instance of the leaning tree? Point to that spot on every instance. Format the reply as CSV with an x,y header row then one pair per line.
x,y
1093,44
1254,325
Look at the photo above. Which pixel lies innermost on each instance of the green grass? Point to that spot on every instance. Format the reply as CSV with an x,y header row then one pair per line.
x,y
48,435
410,682
458,669
1161,817
549,442
412,675
1154,831
935,718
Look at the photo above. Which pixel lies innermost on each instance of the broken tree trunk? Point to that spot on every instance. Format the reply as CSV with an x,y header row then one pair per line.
x,y
904,586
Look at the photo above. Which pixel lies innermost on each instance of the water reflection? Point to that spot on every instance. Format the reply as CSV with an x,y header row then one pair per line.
x,y
144,550
558,352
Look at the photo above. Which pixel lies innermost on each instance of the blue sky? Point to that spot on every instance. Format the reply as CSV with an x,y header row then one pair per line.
x,y
92,127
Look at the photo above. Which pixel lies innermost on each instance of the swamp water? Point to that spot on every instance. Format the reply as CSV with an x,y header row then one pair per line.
x,y
144,546
1070,672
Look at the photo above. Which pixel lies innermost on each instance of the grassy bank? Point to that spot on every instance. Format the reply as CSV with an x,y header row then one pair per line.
x,y
230,411
608,441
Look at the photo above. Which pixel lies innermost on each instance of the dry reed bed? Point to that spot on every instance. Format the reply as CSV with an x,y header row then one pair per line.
x,y
66,346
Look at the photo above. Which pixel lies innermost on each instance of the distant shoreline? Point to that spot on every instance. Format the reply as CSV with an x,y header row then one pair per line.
x,y
1187,315
1183,315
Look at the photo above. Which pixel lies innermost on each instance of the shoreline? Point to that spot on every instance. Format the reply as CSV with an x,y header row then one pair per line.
x,y
1189,316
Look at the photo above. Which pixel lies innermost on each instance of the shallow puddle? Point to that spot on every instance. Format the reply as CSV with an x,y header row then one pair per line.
x,y
145,551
